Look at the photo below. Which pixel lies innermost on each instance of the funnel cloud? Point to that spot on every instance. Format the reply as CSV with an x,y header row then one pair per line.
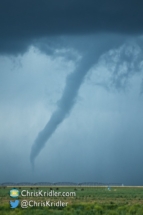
x,y
64,105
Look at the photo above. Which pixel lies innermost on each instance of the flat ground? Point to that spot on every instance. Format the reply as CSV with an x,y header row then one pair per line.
x,y
88,201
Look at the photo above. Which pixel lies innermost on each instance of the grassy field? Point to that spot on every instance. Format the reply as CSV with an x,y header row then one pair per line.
x,y
88,201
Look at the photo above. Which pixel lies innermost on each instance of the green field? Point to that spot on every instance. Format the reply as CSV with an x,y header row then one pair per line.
x,y
88,201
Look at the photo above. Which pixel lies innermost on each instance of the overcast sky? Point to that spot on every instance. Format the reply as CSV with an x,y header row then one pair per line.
x,y
71,91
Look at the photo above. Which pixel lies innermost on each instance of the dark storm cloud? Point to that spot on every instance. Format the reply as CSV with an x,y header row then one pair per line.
x,y
112,122
23,21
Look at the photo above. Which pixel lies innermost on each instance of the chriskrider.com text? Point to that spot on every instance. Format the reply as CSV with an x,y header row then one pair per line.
x,y
52,193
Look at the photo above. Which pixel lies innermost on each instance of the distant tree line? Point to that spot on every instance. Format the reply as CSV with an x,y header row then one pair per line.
x,y
60,184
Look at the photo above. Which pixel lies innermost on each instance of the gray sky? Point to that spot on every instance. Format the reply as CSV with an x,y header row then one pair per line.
x,y
99,137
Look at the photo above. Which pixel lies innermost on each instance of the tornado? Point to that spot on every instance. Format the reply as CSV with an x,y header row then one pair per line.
x,y
67,100
64,105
